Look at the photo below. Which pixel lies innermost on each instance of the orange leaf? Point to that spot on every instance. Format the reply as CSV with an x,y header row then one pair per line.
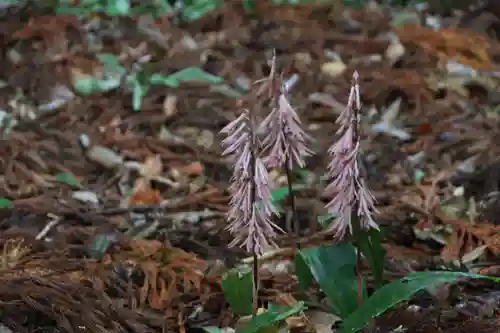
x,y
145,248
145,197
193,169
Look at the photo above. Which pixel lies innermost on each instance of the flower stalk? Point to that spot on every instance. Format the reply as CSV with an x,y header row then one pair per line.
x,y
251,209
352,201
285,142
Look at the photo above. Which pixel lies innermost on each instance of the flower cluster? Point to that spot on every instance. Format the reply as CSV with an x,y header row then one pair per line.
x,y
285,141
351,196
250,207
285,145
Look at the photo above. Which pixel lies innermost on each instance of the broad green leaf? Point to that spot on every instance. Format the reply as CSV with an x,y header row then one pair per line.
x,y
273,316
68,179
334,269
369,242
6,3
237,285
84,7
194,74
356,4
398,291
164,7
249,6
5,203
111,62
324,219
118,7
90,85
198,9
165,80
279,194
303,273
138,92
302,173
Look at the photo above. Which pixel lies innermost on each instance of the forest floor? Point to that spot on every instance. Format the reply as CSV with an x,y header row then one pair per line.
x,y
113,219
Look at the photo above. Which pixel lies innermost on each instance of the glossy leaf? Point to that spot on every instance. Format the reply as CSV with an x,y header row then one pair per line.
x,y
68,179
398,291
237,285
272,317
369,242
334,269
5,203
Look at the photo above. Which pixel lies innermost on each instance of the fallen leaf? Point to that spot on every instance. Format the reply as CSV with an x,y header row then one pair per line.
x,y
152,167
104,156
145,197
193,169
333,68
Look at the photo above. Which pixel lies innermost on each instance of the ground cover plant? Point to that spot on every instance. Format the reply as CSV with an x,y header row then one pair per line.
x,y
254,166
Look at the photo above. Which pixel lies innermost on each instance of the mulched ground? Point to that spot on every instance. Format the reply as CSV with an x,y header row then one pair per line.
x,y
165,246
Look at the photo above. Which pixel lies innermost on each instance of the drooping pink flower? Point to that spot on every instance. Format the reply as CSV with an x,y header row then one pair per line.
x,y
351,198
250,209
285,141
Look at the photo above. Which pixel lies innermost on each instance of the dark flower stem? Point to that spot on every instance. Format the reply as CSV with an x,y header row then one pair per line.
x,y
356,231
295,218
356,222
255,273
255,291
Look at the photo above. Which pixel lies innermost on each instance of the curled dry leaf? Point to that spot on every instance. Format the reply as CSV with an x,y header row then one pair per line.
x,y
170,106
333,68
152,167
449,44
104,156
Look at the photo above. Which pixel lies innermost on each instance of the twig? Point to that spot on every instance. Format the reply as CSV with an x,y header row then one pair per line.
x,y
52,223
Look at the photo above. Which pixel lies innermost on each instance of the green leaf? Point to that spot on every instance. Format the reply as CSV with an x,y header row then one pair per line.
x,y
324,219
355,4
164,7
398,291
273,316
279,194
198,9
138,92
6,3
90,85
237,285
303,273
68,179
165,80
118,7
369,242
194,74
334,269
100,245
249,6
111,62
5,203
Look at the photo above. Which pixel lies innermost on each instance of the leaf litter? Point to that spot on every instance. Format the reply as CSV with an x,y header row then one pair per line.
x,y
114,220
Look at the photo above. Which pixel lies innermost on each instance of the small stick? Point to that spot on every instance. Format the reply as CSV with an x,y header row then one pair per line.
x,y
52,223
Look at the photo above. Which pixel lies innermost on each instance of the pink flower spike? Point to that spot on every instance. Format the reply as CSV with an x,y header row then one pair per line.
x,y
285,141
251,209
350,195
